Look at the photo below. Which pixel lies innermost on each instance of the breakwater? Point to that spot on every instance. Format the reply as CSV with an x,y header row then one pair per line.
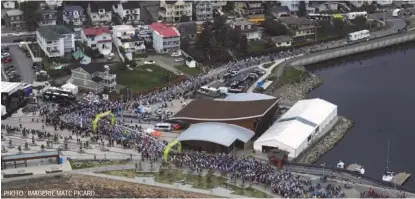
x,y
352,49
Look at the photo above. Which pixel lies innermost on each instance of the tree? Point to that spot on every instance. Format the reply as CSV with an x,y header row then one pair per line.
x,y
19,148
302,9
275,28
185,44
29,9
42,147
360,22
184,18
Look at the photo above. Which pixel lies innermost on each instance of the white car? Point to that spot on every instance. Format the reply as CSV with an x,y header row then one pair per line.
x,y
150,62
176,54
179,60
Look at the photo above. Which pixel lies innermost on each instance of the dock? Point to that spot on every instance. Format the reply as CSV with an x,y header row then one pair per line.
x,y
401,178
354,167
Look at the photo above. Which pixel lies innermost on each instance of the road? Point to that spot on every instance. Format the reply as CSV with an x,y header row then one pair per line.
x,y
240,76
22,64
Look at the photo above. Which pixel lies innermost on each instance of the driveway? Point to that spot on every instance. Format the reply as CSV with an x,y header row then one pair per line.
x,y
22,64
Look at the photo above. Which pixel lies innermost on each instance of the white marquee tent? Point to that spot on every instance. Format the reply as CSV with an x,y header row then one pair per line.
x,y
70,87
298,126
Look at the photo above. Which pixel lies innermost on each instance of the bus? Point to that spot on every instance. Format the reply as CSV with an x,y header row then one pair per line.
x,y
12,97
58,95
209,91
358,36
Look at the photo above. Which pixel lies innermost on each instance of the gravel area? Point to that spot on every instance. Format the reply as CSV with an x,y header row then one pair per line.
x,y
326,143
99,187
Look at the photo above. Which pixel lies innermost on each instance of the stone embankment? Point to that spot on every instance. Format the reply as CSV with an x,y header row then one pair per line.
x,y
326,143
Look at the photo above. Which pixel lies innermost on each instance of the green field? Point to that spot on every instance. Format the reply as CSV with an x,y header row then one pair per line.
x,y
208,181
141,78
291,74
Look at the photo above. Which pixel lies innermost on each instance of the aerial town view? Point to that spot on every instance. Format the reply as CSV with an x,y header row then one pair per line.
x,y
207,99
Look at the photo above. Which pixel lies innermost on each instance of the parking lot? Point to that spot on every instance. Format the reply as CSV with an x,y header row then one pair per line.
x,y
20,66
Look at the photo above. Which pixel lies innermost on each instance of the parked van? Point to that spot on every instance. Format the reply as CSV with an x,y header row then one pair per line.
x,y
163,127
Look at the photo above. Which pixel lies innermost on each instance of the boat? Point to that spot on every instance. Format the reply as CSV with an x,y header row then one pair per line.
x,y
388,175
340,165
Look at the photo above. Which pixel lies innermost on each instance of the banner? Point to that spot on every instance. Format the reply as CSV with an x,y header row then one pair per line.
x,y
169,146
99,116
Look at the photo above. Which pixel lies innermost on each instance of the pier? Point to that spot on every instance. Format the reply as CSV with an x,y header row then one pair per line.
x,y
401,178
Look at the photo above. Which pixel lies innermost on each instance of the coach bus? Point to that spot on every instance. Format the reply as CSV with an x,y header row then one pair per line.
x,y
58,95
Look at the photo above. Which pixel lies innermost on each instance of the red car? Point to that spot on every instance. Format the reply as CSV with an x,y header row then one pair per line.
x,y
7,60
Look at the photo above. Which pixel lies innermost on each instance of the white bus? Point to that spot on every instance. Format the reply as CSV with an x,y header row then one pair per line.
x,y
208,90
353,15
358,36
163,127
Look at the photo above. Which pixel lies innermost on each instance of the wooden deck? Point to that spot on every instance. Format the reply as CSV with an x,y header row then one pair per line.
x,y
401,178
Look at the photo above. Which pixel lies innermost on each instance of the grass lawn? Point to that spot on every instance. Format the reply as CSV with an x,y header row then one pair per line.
x,y
291,74
84,164
255,46
167,176
190,71
141,78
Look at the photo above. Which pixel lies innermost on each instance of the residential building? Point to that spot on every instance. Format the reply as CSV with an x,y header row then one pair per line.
x,y
100,12
203,10
219,4
56,40
384,2
317,7
94,77
299,26
47,17
279,11
166,38
52,4
282,41
172,11
187,30
127,12
98,39
251,31
14,20
245,8
73,14
125,37
9,4
143,31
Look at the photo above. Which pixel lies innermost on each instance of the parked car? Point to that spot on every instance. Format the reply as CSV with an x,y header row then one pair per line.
x,y
6,60
179,60
176,54
150,62
259,71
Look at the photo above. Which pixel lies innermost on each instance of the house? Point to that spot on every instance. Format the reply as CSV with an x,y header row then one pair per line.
x,y
14,19
74,15
56,40
251,31
127,12
317,7
299,26
125,37
166,38
9,4
245,8
203,10
279,11
282,41
172,11
143,31
98,39
93,77
46,17
187,30
100,13
52,4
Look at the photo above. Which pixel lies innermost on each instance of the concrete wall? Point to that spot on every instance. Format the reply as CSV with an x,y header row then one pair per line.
x,y
353,49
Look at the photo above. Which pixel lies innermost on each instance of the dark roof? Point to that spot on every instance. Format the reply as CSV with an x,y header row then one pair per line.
x,y
171,1
130,4
187,28
95,6
296,21
278,9
281,38
217,110
92,67
47,11
54,32
71,8
97,79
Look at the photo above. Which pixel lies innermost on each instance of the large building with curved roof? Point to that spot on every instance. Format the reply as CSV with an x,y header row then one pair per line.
x,y
255,115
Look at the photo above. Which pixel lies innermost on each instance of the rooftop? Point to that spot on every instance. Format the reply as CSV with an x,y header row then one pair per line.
x,y
97,79
71,8
96,5
296,20
95,31
54,32
281,38
15,12
7,87
241,22
187,28
92,67
130,4
164,30
247,97
215,132
219,110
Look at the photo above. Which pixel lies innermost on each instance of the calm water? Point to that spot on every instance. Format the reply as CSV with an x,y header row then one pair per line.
x,y
378,94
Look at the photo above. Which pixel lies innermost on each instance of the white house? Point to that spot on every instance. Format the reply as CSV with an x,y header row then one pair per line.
x,y
127,12
98,38
166,38
100,13
73,14
56,40
125,36
251,31
282,41
9,4
172,11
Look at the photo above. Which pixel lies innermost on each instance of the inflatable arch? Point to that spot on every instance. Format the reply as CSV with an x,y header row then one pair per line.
x,y
99,116
169,146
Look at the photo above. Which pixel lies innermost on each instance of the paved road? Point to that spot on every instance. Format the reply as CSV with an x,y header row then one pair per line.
x,y
22,64
240,76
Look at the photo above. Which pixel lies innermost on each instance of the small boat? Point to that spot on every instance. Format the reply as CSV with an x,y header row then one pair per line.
x,y
340,165
356,168
388,175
